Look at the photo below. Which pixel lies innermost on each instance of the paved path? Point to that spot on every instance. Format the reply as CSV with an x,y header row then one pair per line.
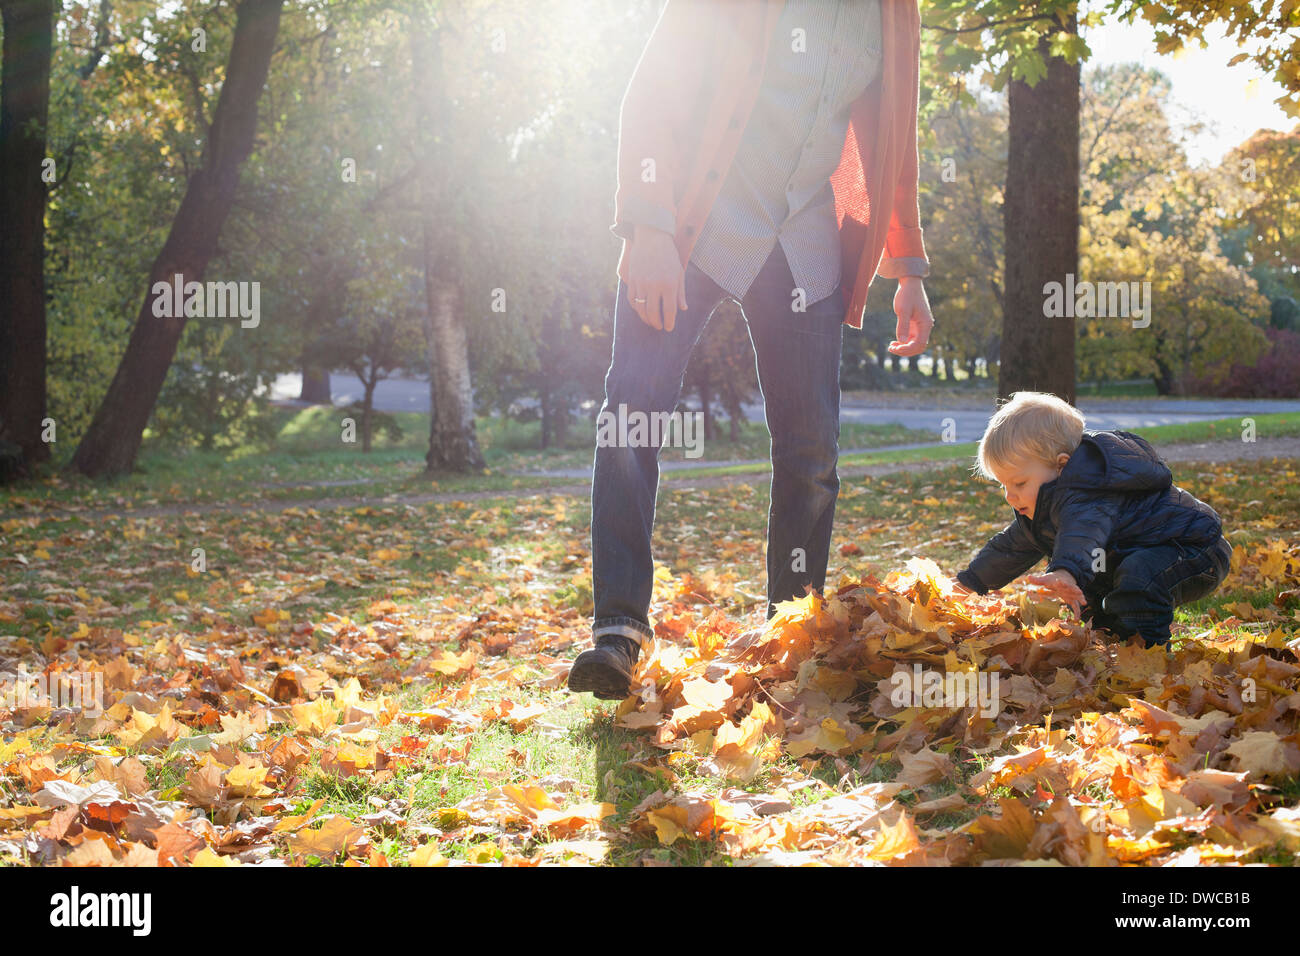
x,y
969,413
965,415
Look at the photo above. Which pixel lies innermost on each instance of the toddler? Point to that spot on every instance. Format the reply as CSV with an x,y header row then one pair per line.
x,y
1124,541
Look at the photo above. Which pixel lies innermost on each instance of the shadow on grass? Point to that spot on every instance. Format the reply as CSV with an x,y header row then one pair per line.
x,y
624,785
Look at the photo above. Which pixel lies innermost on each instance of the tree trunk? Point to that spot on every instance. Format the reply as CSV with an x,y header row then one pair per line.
x,y
315,385
1041,222
730,401
24,109
113,439
1164,376
211,418
544,416
559,420
329,277
453,444
367,411
706,408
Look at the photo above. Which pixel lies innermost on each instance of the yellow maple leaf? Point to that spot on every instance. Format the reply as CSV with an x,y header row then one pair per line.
x,y
669,822
426,855
895,840
208,857
248,780
705,694
336,834
314,717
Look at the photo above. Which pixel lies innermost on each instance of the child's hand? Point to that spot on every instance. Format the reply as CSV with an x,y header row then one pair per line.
x,y
1063,585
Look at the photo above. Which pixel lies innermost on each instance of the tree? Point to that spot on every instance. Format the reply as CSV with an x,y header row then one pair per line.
x,y
1148,215
24,110
1038,54
1037,43
722,367
1267,166
963,177
120,177
110,445
1267,30
1041,209
375,330
453,443
315,385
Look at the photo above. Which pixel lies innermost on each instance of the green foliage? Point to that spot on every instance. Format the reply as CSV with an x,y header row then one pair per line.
x,y
209,398
526,152
1148,216
1001,40
1268,31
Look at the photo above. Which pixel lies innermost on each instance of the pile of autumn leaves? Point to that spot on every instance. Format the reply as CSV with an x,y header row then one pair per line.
x,y
1097,753
1106,753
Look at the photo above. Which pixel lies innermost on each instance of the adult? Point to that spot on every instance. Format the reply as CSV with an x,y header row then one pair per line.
x,y
767,152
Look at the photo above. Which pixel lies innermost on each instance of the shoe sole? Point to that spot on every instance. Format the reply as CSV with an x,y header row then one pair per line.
x,y
602,682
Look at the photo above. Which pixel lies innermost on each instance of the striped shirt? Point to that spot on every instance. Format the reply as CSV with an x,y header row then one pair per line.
x,y
824,54
691,101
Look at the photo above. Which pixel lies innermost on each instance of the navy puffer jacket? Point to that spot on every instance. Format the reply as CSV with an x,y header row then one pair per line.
x,y
1115,493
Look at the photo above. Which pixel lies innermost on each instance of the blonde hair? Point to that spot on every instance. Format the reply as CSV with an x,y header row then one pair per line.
x,y
1030,426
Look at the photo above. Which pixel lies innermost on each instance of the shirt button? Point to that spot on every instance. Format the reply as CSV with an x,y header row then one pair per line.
x,y
713,174
690,230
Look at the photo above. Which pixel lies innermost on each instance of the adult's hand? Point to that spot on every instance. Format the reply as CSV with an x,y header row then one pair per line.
x,y
914,318
655,275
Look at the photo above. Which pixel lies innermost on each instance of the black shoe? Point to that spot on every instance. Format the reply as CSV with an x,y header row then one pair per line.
x,y
606,670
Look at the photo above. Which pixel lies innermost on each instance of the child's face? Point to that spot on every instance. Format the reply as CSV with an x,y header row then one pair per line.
x,y
1021,480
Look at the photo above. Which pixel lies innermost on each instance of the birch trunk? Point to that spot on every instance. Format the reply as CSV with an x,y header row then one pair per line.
x,y
453,444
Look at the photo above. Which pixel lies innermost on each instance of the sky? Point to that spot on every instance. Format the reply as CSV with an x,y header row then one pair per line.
x,y
1233,101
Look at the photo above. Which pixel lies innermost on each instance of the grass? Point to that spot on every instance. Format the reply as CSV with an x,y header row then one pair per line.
x,y
308,462
512,555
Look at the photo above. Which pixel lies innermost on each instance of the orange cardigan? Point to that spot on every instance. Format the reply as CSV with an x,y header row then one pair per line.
x,y
690,97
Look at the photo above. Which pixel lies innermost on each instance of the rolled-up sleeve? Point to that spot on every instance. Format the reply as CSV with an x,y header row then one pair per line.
x,y
664,87
901,266
639,212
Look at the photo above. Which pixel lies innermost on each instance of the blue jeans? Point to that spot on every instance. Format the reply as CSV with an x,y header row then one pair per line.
x,y
798,362
1137,594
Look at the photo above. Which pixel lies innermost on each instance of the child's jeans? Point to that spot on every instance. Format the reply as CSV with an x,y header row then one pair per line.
x,y
1137,594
